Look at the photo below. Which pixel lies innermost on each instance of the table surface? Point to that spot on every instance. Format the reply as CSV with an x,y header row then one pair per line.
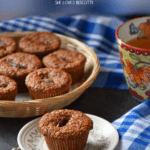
x,y
109,104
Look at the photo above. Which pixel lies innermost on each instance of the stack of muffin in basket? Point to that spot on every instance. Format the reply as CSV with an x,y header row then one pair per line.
x,y
45,70
40,66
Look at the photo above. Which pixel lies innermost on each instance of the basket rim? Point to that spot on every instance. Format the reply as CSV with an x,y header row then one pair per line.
x,y
83,86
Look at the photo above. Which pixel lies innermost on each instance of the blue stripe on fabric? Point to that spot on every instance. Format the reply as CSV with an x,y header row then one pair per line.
x,y
145,135
109,58
110,46
147,103
139,116
135,112
138,144
128,138
131,116
18,27
69,21
147,129
134,131
127,122
113,80
26,29
122,131
110,80
102,49
112,65
140,125
66,26
143,112
3,29
95,28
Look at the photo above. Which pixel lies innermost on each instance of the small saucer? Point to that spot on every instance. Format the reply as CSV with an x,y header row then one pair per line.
x,y
103,136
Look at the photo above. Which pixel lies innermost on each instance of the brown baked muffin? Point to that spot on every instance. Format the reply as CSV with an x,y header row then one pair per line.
x,y
7,46
17,66
48,82
8,88
39,43
70,61
65,129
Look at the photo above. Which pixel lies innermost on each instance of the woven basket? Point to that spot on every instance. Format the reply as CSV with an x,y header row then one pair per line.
x,y
22,109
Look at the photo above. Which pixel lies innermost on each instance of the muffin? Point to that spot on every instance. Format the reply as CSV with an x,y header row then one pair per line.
x,y
65,129
7,46
8,88
70,61
39,43
17,66
48,82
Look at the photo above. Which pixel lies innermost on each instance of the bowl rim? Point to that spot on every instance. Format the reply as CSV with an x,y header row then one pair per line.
x,y
83,86
127,45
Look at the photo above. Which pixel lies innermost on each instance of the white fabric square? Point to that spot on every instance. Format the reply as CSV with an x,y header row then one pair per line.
x,y
148,147
123,144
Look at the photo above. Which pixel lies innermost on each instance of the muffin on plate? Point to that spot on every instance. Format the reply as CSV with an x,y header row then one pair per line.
x,y
39,43
70,61
8,88
65,129
48,82
7,46
17,66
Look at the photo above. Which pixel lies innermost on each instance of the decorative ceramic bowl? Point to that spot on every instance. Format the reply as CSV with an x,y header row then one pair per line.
x,y
135,61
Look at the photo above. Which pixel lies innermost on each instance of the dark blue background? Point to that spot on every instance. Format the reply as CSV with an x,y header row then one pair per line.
x,y
18,8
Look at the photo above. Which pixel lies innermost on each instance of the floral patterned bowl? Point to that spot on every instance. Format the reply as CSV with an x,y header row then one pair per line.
x,y
135,61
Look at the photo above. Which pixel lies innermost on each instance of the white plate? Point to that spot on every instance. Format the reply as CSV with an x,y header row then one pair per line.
x,y
103,136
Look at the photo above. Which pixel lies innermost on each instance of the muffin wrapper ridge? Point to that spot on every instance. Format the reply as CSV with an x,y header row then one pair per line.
x,y
78,143
76,74
38,95
9,96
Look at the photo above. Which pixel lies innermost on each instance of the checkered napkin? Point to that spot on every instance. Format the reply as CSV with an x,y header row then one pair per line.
x,y
134,128
98,32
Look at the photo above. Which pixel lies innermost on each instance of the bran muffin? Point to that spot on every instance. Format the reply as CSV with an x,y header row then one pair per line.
x,y
8,88
48,82
17,66
7,46
39,43
70,61
65,129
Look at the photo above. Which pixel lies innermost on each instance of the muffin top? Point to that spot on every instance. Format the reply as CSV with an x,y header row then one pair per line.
x,y
19,64
7,46
39,43
64,124
7,84
48,79
64,59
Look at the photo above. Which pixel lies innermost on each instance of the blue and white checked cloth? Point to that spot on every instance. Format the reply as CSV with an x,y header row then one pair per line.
x,y
134,128
98,32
